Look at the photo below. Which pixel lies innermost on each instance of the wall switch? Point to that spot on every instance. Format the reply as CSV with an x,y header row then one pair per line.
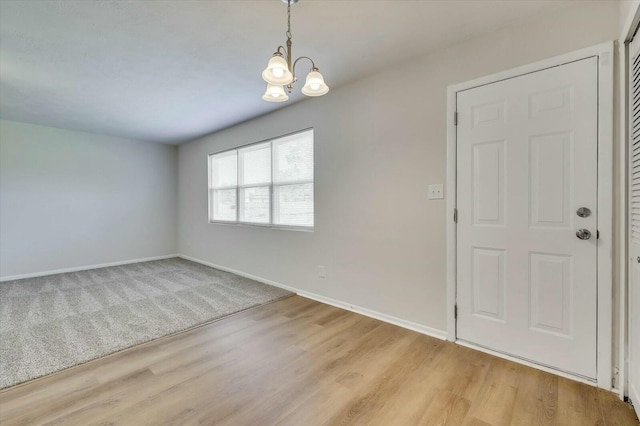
x,y
321,272
436,191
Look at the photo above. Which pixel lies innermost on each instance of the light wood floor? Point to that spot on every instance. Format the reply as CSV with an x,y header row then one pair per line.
x,y
299,362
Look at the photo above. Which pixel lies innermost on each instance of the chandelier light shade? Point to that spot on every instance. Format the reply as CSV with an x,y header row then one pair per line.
x,y
280,72
277,71
275,93
315,85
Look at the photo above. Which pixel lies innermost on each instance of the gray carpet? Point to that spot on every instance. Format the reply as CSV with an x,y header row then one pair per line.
x,y
53,322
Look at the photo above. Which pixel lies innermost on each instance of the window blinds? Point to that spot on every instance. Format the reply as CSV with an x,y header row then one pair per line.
x,y
254,164
223,186
267,183
293,180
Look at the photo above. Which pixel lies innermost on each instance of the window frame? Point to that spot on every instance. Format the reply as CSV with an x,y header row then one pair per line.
x,y
271,186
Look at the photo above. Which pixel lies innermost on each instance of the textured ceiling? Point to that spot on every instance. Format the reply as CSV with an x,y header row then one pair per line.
x,y
170,71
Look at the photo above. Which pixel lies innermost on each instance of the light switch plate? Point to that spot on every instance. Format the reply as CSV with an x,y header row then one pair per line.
x,y
436,191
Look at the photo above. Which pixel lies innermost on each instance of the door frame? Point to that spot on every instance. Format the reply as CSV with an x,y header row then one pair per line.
x,y
605,54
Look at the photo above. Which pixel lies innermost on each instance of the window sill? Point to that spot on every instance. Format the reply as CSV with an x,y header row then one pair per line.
x,y
265,226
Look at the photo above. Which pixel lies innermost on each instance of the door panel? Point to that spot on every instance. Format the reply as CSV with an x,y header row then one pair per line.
x,y
550,165
551,293
527,160
488,183
488,283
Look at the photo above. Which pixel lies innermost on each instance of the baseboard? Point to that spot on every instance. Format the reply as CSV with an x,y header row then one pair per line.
x,y
242,274
634,396
423,329
84,268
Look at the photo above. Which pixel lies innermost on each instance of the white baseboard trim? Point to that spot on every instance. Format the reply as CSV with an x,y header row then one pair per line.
x,y
634,396
527,363
242,274
84,268
423,329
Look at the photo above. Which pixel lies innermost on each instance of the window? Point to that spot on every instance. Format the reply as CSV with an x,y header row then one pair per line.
x,y
267,183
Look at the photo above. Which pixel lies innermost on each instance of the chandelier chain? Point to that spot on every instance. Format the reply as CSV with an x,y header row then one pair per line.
x,y
289,19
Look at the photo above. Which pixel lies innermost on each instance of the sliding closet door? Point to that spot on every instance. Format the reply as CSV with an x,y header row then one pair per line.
x,y
634,184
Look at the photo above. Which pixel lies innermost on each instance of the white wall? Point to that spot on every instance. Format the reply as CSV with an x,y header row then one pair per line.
x,y
378,143
627,11
71,199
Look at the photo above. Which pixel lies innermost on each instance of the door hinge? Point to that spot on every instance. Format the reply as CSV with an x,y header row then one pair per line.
x,y
455,118
597,235
455,311
455,215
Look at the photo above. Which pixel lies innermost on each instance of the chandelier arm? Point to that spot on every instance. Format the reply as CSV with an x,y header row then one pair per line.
x,y
293,70
282,50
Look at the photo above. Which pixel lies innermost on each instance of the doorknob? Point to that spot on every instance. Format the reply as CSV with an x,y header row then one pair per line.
x,y
583,234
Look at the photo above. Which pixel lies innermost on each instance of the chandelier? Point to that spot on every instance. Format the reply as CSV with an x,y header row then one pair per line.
x,y
280,72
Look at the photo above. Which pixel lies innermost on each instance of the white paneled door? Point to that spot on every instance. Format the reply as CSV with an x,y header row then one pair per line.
x,y
527,152
634,184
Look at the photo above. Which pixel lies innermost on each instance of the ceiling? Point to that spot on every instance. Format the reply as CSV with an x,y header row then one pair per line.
x,y
170,71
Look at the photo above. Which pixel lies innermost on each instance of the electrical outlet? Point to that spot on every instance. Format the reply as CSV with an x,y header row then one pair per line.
x,y
321,272
436,191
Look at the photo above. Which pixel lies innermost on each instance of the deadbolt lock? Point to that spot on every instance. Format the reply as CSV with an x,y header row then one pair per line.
x,y
583,212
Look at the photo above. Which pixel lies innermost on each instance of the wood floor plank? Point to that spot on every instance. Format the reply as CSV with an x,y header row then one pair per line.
x,y
446,408
421,394
537,399
495,401
365,407
289,387
371,354
578,403
461,371
612,412
299,362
